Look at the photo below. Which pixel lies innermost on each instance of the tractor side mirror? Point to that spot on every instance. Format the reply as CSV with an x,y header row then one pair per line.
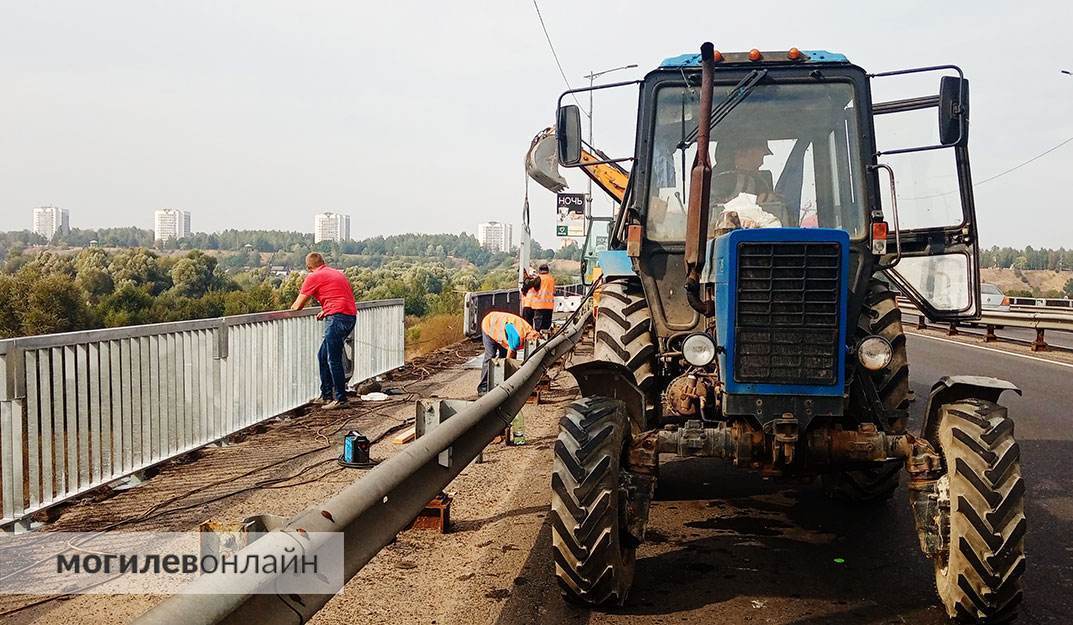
x,y
568,134
953,111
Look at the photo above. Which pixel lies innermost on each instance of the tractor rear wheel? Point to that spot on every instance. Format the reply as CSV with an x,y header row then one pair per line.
x,y
624,333
879,317
978,574
594,556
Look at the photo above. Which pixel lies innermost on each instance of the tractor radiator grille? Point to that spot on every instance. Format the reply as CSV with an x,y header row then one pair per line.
x,y
788,308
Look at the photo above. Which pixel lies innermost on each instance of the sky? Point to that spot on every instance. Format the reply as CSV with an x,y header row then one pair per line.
x,y
415,116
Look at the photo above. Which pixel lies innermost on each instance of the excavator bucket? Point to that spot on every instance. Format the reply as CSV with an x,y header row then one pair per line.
x,y
542,161
542,165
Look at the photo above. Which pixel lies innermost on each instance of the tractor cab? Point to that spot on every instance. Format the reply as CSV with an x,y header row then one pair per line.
x,y
793,144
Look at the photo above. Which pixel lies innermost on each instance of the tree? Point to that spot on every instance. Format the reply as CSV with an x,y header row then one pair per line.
x,y
139,267
127,305
56,304
91,272
13,296
1068,288
194,274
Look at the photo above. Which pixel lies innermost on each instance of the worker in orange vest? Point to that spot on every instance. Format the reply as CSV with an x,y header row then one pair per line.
x,y
502,333
543,302
530,284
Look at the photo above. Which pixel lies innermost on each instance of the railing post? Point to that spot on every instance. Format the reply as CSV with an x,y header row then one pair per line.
x,y
1040,345
953,329
922,322
219,351
990,336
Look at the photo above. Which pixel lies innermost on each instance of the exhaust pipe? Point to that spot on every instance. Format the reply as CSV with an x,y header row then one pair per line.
x,y
700,186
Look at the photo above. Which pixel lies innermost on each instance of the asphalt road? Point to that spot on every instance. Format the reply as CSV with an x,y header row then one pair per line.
x,y
729,547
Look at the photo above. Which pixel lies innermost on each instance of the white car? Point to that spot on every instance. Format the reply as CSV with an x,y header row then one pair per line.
x,y
992,298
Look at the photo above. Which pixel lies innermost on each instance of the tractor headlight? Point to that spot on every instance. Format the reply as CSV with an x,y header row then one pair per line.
x,y
698,350
874,353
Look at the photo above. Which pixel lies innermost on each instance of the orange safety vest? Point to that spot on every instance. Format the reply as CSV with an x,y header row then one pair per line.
x,y
545,296
527,298
495,326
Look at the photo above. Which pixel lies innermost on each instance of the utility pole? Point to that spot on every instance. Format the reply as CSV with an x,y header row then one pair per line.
x,y
592,76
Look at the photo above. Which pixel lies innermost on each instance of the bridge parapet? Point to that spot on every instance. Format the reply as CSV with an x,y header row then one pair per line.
x,y
81,409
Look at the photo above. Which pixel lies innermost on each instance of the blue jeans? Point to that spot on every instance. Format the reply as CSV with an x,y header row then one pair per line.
x,y
491,350
330,357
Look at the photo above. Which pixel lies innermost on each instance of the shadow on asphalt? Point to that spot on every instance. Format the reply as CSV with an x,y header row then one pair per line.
x,y
765,550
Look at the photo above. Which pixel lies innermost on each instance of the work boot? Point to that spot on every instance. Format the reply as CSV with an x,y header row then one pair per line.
x,y
336,404
320,401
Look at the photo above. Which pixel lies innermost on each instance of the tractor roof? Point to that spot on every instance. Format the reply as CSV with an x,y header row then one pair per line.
x,y
734,58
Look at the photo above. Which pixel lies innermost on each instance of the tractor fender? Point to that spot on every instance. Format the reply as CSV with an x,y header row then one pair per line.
x,y
616,264
613,380
952,388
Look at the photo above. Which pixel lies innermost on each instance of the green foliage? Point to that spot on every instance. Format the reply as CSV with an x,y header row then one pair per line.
x,y
139,267
571,251
194,275
1067,288
1028,258
128,305
55,304
57,290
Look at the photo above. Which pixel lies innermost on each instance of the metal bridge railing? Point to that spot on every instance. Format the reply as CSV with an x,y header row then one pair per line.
x,y
81,409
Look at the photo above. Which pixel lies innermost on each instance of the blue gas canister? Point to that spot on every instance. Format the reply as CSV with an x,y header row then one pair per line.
x,y
355,448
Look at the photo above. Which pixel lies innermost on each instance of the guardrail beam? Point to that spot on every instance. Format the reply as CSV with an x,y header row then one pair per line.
x,y
371,511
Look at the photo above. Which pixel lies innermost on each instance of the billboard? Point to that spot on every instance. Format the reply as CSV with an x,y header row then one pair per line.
x,y
570,208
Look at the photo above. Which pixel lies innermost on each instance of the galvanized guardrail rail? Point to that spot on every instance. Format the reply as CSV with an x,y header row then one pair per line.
x,y
82,409
1038,320
370,511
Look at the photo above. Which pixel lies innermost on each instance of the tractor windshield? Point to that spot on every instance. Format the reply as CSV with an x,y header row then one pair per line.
x,y
786,156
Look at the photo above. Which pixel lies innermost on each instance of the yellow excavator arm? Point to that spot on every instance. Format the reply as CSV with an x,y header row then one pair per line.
x,y
542,165
608,176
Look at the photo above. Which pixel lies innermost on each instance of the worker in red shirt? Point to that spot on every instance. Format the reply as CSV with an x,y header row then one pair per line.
x,y
331,288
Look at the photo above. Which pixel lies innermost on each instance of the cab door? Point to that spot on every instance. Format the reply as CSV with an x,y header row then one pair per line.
x,y
922,164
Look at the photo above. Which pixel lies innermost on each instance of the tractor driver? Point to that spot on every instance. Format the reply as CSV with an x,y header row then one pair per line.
x,y
737,170
738,160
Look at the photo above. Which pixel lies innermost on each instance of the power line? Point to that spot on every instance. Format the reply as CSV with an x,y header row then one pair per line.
x,y
1016,167
554,54
990,178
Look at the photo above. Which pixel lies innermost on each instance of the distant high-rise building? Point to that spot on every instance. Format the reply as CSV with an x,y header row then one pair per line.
x,y
331,227
495,236
171,223
49,220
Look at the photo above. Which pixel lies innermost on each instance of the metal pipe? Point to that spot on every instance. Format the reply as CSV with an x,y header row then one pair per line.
x,y
370,512
701,174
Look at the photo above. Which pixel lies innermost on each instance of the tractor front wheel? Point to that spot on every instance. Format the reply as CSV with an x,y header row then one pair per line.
x,y
593,553
978,573
879,317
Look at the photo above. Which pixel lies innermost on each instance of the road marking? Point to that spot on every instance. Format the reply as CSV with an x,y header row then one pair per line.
x,y
992,349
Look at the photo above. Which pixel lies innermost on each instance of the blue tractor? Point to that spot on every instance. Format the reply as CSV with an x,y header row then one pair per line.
x,y
748,312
